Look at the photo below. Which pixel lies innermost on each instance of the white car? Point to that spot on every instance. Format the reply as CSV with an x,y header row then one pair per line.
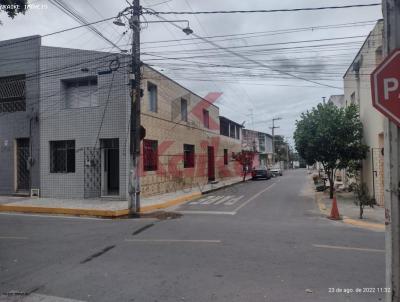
x,y
276,171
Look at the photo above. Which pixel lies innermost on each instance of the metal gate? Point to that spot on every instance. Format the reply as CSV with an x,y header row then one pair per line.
x,y
23,175
92,172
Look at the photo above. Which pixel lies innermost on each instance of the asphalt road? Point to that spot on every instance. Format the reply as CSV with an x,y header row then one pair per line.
x,y
263,241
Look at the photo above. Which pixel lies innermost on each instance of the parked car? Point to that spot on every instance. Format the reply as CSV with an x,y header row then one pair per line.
x,y
261,172
276,172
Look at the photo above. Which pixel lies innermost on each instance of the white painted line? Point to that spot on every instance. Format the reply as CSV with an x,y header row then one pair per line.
x,y
172,241
254,197
200,200
211,200
233,201
206,212
348,248
13,237
53,216
223,199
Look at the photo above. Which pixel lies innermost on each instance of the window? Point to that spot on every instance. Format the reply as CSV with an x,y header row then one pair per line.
x,y
206,118
353,98
79,93
225,157
184,112
152,90
188,156
150,155
12,93
62,157
232,130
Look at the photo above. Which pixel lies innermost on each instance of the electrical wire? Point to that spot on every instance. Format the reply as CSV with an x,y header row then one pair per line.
x,y
152,12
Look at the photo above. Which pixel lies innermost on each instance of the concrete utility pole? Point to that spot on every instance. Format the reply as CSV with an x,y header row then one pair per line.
x,y
134,162
391,14
273,137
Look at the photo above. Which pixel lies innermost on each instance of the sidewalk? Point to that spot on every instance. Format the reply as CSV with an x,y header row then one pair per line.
x,y
110,208
373,218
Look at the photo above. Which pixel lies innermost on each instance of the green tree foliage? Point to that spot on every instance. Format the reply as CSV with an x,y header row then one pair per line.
x,y
331,136
13,7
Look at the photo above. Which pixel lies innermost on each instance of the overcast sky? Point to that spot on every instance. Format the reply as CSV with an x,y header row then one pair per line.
x,y
251,93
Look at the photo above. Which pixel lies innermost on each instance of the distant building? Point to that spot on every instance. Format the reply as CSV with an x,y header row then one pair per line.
x,y
357,90
338,100
260,143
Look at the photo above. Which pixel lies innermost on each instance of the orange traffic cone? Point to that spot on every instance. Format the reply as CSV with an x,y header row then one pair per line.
x,y
334,211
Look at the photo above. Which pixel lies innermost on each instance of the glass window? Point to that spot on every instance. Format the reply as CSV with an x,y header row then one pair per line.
x,y
152,90
184,112
62,156
81,92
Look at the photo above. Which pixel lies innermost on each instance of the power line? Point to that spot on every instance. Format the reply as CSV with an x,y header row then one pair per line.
x,y
151,12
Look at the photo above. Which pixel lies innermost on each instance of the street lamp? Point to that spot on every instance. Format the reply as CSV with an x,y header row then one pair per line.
x,y
187,30
118,22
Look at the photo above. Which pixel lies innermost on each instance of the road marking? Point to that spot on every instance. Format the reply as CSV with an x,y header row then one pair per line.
x,y
200,200
173,241
253,197
207,212
13,237
348,248
233,201
224,199
211,200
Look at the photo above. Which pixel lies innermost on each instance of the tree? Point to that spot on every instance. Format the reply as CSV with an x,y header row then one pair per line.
x,y
245,158
331,136
13,7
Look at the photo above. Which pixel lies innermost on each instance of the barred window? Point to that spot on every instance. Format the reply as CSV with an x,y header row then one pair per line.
x,y
150,155
13,93
79,93
62,156
188,156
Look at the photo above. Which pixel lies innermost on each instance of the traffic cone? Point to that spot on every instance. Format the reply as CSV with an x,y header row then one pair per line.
x,y
334,211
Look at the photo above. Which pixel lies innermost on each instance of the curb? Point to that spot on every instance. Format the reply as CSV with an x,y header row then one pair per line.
x,y
106,213
223,187
170,203
93,212
63,211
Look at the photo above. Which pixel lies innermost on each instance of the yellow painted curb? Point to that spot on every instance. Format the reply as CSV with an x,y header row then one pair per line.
x,y
65,211
170,203
96,213
364,224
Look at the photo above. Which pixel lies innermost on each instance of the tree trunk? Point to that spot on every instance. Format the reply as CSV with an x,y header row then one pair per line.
x,y
331,189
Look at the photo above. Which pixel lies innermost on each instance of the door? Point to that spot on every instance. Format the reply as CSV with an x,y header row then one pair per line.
x,y
23,174
211,163
110,166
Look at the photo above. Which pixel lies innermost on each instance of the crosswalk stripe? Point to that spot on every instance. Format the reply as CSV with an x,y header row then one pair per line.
x,y
233,201
223,199
212,200
200,200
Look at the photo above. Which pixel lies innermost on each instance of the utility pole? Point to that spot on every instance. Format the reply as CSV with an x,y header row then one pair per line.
x,y
391,14
273,137
134,160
